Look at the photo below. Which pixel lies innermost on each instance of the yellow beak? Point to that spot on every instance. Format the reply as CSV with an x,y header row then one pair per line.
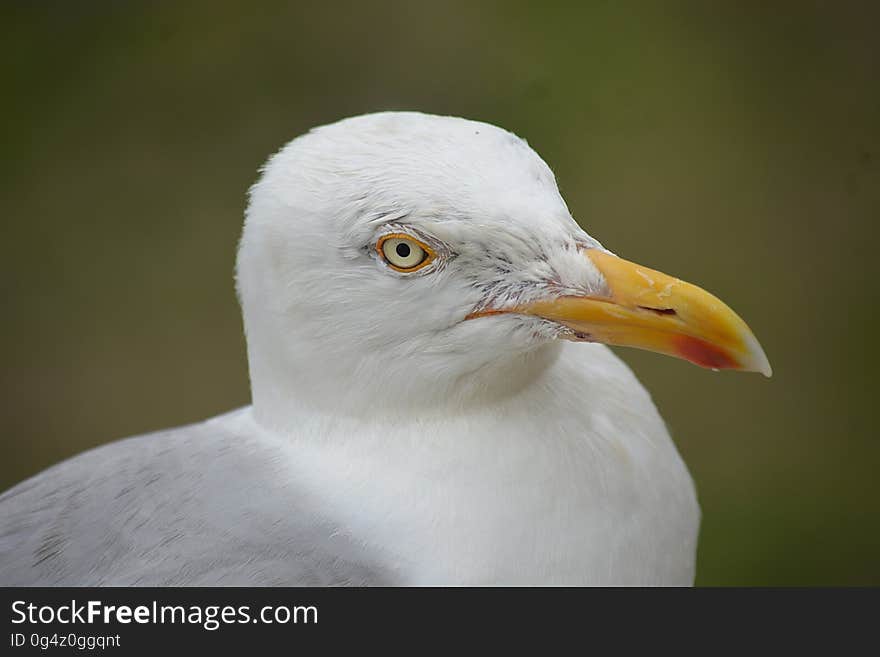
x,y
650,310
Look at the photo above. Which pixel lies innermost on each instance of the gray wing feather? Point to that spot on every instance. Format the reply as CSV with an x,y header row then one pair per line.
x,y
193,506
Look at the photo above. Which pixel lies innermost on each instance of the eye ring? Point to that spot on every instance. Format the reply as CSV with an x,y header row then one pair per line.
x,y
404,253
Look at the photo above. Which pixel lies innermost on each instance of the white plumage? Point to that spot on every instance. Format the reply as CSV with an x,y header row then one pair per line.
x,y
415,427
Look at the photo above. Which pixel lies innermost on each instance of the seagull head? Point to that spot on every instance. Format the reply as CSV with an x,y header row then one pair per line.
x,y
404,258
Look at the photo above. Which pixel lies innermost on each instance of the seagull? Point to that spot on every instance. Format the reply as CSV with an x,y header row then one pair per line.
x,y
433,400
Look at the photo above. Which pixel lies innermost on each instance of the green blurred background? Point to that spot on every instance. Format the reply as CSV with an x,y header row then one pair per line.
x,y
736,145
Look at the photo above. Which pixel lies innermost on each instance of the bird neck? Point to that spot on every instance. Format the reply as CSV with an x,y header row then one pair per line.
x,y
283,395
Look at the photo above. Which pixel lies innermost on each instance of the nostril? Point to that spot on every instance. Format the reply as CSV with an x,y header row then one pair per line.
x,y
660,311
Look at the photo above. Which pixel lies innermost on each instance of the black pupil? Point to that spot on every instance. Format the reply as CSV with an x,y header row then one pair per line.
x,y
403,250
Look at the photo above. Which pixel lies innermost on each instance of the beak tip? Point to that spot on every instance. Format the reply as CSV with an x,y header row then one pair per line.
x,y
758,361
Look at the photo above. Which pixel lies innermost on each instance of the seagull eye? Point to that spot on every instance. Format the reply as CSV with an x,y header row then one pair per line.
x,y
404,253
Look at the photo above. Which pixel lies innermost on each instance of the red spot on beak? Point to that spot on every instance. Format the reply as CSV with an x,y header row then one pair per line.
x,y
703,354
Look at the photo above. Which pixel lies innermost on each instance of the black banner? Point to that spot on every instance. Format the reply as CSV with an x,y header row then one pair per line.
x,y
124,621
